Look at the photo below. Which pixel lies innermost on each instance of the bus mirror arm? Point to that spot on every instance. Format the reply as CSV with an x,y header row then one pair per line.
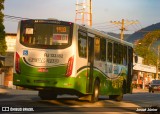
x,y
136,58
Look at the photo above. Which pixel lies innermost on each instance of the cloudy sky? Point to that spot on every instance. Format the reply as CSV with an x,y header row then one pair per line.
x,y
104,11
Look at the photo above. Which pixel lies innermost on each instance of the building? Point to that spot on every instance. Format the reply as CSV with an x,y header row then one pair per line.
x,y
6,73
143,74
2,59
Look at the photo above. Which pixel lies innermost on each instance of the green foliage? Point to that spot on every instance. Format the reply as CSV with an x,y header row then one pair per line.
x,y
144,49
3,46
1,4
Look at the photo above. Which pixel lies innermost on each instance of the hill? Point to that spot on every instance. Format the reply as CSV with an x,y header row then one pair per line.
x,y
118,35
139,34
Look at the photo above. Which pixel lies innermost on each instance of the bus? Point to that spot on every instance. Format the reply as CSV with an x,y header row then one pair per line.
x,y
57,57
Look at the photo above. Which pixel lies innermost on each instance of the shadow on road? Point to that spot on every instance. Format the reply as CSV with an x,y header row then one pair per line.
x,y
72,104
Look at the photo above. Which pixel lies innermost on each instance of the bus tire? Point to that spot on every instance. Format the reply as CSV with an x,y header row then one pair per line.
x,y
95,95
47,95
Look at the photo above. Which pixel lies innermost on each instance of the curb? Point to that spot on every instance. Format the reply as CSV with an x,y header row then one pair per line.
x,y
139,90
3,91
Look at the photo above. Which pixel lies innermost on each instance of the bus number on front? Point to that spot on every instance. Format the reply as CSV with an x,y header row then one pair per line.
x,y
61,29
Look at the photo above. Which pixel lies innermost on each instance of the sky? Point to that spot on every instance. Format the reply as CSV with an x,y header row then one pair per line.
x,y
146,12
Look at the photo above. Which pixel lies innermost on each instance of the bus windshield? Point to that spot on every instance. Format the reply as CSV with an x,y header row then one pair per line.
x,y
45,35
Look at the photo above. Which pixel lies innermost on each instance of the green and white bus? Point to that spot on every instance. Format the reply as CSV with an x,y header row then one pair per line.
x,y
57,57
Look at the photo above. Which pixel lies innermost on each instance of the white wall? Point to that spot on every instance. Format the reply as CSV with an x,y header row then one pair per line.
x,y
141,67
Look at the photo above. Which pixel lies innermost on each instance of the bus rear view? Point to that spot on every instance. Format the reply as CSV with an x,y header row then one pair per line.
x,y
44,56
57,57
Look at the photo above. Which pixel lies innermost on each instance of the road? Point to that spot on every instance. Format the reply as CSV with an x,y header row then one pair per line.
x,y
29,100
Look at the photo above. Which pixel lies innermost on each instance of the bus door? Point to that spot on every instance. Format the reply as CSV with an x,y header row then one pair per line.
x,y
130,69
109,64
90,62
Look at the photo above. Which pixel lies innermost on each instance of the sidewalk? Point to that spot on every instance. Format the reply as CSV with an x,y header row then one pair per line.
x,y
135,90
6,90
3,90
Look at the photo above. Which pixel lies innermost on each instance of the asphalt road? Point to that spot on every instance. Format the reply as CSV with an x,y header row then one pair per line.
x,y
28,101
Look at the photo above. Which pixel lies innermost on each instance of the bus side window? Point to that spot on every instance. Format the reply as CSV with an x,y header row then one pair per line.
x,y
109,52
125,55
115,53
82,44
103,49
97,48
120,60
130,55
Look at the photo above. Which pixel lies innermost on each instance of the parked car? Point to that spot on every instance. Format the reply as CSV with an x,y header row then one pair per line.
x,y
154,86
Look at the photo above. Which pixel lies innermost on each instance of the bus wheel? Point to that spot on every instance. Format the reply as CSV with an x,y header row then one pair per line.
x,y
95,95
47,95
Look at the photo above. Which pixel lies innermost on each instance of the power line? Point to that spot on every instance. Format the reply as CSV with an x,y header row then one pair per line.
x,y
15,17
112,30
123,25
11,20
143,31
134,26
84,12
106,26
95,24
103,25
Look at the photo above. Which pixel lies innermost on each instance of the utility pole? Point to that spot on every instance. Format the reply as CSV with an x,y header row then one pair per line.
x,y
90,13
84,12
122,30
123,25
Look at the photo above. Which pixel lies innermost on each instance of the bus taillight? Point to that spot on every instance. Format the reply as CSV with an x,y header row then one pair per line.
x,y
70,66
17,63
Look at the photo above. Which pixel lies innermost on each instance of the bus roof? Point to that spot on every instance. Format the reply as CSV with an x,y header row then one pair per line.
x,y
85,27
103,34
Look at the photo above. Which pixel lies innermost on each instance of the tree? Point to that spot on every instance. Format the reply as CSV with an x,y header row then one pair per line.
x,y
3,46
144,47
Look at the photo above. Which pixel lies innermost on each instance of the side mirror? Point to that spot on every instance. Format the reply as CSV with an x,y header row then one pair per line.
x,y
136,59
